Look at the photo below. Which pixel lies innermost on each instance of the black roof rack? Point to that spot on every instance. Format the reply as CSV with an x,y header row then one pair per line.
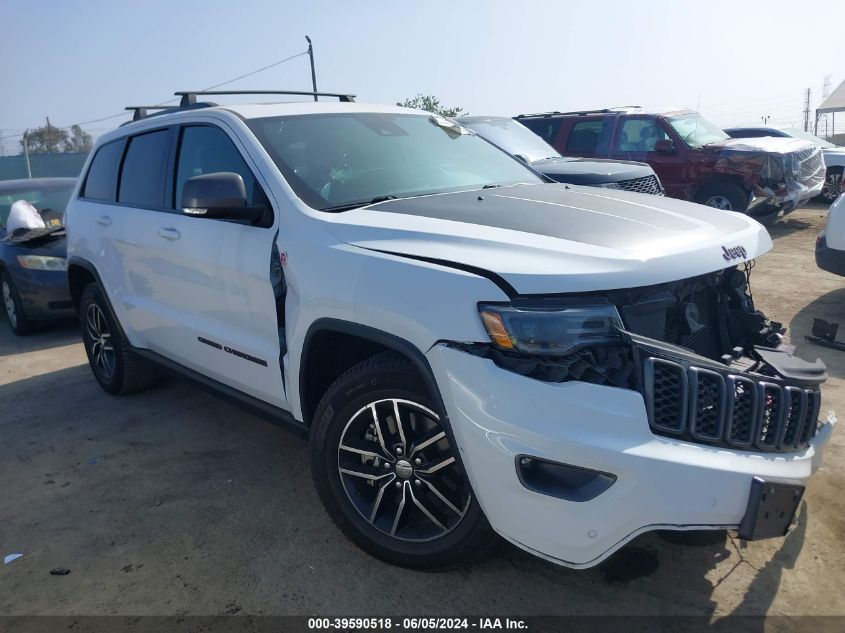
x,y
142,112
189,97
577,112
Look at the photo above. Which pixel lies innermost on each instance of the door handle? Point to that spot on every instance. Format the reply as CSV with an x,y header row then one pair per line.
x,y
169,234
103,220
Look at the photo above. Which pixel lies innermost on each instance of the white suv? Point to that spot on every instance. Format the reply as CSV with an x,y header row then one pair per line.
x,y
467,346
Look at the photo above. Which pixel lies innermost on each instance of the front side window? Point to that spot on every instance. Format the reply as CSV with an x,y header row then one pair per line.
x,y
206,150
101,181
640,135
695,130
142,174
337,161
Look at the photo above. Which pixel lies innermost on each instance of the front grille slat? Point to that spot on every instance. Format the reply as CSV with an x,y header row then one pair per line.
x,y
710,407
646,184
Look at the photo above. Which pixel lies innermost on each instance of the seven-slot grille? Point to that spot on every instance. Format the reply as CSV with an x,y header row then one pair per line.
x,y
702,405
646,184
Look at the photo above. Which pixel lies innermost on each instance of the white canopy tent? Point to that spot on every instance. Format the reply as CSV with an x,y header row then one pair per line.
x,y
833,104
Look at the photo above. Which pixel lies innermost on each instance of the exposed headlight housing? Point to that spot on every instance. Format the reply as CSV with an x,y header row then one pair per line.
x,y
550,330
42,262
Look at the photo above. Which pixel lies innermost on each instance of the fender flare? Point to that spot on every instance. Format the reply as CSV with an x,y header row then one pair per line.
x,y
385,339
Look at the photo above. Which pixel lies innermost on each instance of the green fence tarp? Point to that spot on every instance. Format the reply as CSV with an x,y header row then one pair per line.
x,y
42,165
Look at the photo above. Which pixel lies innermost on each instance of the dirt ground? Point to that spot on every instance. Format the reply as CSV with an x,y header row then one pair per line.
x,y
173,502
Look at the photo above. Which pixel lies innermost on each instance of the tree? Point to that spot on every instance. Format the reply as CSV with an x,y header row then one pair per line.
x,y
79,142
431,103
49,139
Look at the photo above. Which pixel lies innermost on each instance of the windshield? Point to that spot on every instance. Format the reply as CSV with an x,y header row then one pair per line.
x,y
695,130
806,136
513,137
50,201
337,161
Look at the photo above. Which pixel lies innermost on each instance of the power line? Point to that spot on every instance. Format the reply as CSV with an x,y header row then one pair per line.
x,y
223,83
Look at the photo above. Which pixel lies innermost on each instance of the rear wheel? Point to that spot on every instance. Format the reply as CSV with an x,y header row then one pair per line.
x,y
13,307
832,184
724,196
115,366
388,472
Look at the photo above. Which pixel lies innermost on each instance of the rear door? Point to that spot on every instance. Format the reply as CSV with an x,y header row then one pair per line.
x,y
214,275
587,136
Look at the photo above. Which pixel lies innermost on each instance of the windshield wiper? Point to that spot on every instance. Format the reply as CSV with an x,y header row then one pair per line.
x,y
492,185
356,205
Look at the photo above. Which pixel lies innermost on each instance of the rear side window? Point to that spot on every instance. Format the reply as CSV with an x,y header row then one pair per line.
x,y
101,181
546,129
142,175
207,150
587,137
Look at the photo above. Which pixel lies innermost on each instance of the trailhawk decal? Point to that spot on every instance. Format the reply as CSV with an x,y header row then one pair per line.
x,y
233,352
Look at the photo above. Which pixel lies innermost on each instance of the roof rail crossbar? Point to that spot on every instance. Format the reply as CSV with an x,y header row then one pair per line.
x,y
189,97
142,112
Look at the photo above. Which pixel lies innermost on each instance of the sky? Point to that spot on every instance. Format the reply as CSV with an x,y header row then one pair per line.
x,y
735,61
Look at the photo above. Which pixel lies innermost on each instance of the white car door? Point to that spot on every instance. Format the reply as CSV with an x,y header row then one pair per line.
x,y
214,276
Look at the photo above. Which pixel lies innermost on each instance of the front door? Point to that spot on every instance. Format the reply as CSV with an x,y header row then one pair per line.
x,y
217,276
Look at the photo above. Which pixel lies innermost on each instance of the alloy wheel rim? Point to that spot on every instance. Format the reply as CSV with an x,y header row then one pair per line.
x,y
400,472
9,304
720,202
830,190
99,335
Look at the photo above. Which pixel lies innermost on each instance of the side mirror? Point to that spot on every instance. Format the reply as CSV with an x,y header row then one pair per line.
x,y
664,146
221,196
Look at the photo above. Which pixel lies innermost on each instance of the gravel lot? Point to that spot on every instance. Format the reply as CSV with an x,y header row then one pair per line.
x,y
173,502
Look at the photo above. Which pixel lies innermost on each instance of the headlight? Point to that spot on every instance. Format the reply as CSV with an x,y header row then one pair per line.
x,y
609,185
41,262
552,330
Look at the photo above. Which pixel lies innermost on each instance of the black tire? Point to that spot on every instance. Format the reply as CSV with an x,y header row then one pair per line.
x,y
724,196
832,184
16,317
115,366
378,382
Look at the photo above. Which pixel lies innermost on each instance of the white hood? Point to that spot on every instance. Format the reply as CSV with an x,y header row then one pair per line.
x,y
545,239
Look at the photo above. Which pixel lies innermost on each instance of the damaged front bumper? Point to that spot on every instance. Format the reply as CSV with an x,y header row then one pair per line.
x,y
640,478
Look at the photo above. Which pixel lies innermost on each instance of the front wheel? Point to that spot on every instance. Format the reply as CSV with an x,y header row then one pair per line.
x,y
13,306
832,184
724,196
388,472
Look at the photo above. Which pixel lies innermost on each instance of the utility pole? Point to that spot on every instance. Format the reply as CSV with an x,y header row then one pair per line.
x,y
26,155
807,111
313,73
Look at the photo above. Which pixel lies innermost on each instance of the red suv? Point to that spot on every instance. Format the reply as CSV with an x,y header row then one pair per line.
x,y
694,158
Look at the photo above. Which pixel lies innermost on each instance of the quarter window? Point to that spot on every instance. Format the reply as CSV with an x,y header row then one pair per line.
x,y
101,181
142,175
